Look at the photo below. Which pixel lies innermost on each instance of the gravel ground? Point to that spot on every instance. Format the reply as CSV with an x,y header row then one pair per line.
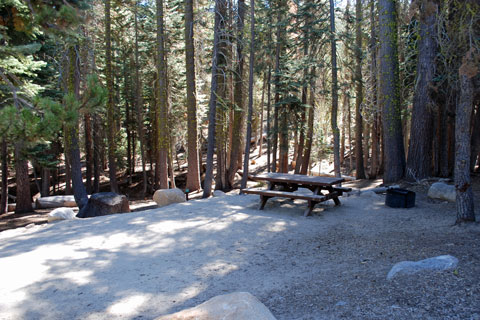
x,y
332,265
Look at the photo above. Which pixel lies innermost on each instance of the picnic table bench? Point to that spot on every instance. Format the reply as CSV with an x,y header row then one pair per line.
x,y
284,185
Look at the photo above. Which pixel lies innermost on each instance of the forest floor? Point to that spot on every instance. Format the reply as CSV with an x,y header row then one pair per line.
x,y
332,265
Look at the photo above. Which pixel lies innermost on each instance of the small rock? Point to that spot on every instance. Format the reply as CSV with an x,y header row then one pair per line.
x,y
104,203
377,190
340,303
439,263
443,191
219,193
164,197
370,194
233,306
61,214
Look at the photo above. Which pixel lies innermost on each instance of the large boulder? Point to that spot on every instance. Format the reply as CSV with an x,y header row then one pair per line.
x,y
104,203
233,306
219,193
61,214
164,197
439,263
55,202
443,191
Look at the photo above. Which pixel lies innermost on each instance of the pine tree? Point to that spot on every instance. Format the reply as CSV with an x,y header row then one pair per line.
x,y
389,98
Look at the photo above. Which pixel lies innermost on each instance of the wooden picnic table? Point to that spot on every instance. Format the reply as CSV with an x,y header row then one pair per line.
x,y
284,185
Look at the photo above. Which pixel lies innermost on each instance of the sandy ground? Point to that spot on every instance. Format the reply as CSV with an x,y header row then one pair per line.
x,y
332,265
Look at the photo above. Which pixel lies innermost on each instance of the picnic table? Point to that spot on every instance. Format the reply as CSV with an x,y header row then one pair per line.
x,y
284,185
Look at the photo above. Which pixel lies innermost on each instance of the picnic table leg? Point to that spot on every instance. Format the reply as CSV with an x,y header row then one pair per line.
x,y
335,199
263,201
311,205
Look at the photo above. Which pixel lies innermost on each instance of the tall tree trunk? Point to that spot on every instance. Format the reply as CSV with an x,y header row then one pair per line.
x,y
360,169
193,174
45,172
373,87
310,122
283,141
163,141
220,6
301,140
239,108
350,140
97,154
262,103
419,161
250,95
344,129
112,165
139,107
24,197
4,195
126,94
68,169
464,193
389,96
269,121
221,131
335,131
79,191
475,141
88,152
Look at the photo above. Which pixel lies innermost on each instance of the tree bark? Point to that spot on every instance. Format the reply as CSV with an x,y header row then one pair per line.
x,y
464,193
162,116
389,96
45,172
193,174
4,194
68,169
250,95
220,6
475,141
88,152
239,109
373,87
24,197
335,131
419,161
79,191
262,103
112,165
360,169
139,107
97,154
310,122
269,122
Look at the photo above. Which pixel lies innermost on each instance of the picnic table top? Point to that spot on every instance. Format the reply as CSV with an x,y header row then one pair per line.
x,y
298,179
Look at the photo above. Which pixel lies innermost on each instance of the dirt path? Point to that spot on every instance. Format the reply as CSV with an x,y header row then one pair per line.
x,y
332,265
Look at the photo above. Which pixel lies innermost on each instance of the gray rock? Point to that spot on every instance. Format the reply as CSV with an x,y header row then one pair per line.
x,y
439,263
104,203
61,214
370,194
341,303
219,193
443,191
233,306
164,197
